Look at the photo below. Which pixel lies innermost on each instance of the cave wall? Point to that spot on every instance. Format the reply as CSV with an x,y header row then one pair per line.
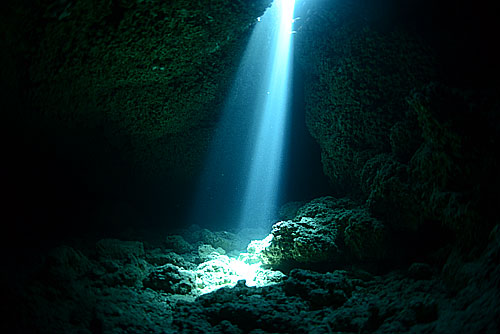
x,y
404,105
151,73
110,105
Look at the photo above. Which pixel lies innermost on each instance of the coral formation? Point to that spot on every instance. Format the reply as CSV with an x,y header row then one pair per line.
x,y
357,91
151,74
327,232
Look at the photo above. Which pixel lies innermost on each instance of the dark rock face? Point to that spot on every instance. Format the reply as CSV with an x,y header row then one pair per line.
x,y
392,132
111,105
170,279
151,73
358,80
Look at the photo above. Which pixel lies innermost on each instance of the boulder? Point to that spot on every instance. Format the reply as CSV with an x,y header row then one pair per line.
x,y
170,279
327,231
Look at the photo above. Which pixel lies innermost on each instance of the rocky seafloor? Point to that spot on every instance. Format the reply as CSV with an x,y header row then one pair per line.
x,y
200,281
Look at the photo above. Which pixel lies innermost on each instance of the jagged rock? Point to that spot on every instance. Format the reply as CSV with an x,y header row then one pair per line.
x,y
323,209
207,252
289,210
126,310
215,273
121,262
119,250
128,274
450,167
170,279
177,244
159,257
353,101
254,309
391,197
330,289
305,241
155,72
304,301
65,264
223,239
327,231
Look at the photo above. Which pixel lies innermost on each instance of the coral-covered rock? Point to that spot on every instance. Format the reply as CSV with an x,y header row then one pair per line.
x,y
119,249
327,231
451,167
304,301
223,239
170,279
121,262
65,264
151,73
305,241
366,237
358,80
159,257
207,252
177,244
391,196
289,210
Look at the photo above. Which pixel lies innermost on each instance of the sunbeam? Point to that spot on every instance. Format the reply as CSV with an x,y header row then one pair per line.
x,y
240,185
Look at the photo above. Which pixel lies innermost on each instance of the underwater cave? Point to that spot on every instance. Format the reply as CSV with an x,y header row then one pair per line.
x,y
250,166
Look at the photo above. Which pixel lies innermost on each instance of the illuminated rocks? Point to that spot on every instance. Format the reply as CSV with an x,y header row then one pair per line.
x,y
326,231
67,295
304,241
221,270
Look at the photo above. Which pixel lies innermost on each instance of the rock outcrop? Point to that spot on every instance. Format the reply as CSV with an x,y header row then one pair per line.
x,y
327,232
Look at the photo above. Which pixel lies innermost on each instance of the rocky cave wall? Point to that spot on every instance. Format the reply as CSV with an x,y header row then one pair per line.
x,y
151,73
113,103
404,126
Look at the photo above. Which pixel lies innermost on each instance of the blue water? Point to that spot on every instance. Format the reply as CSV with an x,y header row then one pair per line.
x,y
241,182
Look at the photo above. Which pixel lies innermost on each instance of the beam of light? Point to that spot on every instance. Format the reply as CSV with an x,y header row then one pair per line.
x,y
260,201
240,182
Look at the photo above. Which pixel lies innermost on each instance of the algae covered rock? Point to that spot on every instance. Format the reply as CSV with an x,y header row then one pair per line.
x,y
452,166
177,244
119,249
141,78
121,262
65,264
391,195
305,241
195,235
329,232
170,279
207,252
358,78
